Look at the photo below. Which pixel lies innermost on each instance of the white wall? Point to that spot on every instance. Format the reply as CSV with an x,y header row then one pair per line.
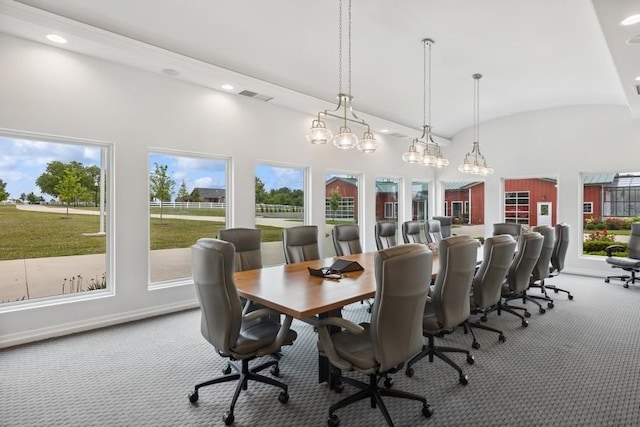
x,y
562,142
51,91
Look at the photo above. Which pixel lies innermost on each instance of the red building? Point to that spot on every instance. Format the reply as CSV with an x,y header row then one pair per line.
x,y
464,201
347,188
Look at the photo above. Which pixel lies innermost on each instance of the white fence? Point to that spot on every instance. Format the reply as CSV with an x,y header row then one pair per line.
x,y
188,205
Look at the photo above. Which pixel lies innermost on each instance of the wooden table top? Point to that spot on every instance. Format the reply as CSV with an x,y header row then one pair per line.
x,y
290,289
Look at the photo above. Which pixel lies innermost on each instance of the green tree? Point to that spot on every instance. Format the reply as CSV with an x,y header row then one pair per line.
x,y
161,185
32,198
69,189
22,197
195,196
334,201
3,191
55,171
183,194
261,194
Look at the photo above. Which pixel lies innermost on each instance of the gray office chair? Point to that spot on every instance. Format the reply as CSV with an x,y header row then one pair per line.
x,y
300,243
226,328
346,239
631,263
498,253
385,234
380,348
542,268
433,231
411,232
446,225
557,258
510,228
448,304
519,274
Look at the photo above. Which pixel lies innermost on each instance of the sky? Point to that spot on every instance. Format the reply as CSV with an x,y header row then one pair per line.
x,y
23,161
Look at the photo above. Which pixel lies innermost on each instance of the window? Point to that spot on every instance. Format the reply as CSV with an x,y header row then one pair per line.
x,y
516,207
419,201
341,198
387,199
390,210
587,207
280,203
187,200
58,189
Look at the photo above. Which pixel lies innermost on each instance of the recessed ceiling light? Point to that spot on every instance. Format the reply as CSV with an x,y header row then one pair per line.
x,y
227,87
56,38
384,130
630,20
171,72
638,79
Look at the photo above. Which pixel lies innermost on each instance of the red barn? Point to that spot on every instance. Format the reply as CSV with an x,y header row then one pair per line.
x,y
348,190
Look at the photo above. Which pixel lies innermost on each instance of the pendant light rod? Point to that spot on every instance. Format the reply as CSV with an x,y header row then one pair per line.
x,y
474,162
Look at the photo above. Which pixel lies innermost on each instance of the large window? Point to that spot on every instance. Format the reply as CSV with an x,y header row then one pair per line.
x,y
530,201
279,204
419,201
53,218
187,201
342,204
387,199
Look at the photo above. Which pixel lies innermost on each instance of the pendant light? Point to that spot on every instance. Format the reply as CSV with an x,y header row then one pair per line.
x,y
474,162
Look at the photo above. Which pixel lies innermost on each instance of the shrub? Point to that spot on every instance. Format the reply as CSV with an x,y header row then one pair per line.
x,y
614,223
592,246
601,236
589,226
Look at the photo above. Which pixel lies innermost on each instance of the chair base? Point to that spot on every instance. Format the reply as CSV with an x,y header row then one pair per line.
x,y
431,350
500,307
243,374
469,325
625,278
528,298
374,392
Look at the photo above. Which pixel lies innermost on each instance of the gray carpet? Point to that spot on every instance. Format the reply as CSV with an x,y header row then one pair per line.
x,y
576,365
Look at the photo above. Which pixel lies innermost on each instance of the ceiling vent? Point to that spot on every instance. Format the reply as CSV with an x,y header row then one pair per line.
x,y
397,134
255,95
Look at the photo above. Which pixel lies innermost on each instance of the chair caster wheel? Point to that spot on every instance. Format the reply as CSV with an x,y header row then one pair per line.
x,y
483,318
464,380
228,419
502,338
527,314
542,310
193,397
275,371
427,411
626,285
409,372
226,370
475,345
470,360
333,421
525,323
570,297
388,382
550,305
338,387
555,290
606,280
283,397
368,309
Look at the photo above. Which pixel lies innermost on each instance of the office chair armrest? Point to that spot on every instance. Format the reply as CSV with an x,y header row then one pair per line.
x,y
327,344
280,337
256,314
613,248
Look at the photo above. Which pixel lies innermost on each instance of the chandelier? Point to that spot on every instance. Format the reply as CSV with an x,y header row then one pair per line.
x,y
430,155
474,162
344,139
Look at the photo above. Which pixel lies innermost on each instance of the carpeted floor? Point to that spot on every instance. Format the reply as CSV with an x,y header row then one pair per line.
x,y
576,365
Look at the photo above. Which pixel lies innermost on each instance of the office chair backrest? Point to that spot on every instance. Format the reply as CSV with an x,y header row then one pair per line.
x,y
411,232
457,262
300,243
402,276
498,253
542,269
634,241
212,262
507,228
346,239
446,224
385,234
247,244
560,248
433,231
529,248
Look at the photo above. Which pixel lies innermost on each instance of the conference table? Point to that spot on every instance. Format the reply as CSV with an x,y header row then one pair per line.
x,y
291,290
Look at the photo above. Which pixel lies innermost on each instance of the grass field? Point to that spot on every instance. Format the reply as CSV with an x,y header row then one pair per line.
x,y
26,234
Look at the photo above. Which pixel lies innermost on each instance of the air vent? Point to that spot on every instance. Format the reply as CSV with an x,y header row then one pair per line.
x,y
638,89
255,95
397,134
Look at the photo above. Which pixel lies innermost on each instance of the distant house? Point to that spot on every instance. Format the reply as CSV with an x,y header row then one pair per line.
x,y
348,190
214,195
386,200
465,201
611,195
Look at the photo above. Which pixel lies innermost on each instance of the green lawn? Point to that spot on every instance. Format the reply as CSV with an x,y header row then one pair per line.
x,y
26,234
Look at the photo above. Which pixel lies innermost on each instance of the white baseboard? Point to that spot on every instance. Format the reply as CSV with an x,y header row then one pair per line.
x,y
93,323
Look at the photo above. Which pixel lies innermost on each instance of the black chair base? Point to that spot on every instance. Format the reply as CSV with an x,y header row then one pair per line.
x,y
500,307
374,392
625,278
243,374
431,350
530,298
470,325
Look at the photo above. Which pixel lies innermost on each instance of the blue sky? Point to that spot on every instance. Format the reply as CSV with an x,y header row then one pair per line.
x,y
22,161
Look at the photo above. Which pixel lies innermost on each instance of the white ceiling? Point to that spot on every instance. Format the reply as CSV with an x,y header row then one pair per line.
x,y
533,54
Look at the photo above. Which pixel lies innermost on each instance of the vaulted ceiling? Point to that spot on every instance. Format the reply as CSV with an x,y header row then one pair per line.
x,y
532,54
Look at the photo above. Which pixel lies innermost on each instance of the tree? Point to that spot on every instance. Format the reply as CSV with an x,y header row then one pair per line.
x,y
183,194
334,201
55,171
161,185
3,191
69,189
22,197
261,194
195,196
32,198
